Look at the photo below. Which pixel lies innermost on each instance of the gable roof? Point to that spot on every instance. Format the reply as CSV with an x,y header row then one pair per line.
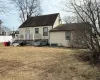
x,y
43,20
72,27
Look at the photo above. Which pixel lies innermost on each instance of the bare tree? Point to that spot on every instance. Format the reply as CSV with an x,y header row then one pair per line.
x,y
89,11
69,19
3,7
5,30
27,8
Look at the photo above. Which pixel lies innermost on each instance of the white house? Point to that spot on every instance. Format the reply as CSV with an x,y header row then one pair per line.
x,y
49,27
38,27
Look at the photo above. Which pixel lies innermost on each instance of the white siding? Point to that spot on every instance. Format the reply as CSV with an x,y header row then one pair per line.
x,y
32,31
59,38
57,22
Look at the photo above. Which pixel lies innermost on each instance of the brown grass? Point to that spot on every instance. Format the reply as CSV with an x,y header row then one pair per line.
x,y
44,63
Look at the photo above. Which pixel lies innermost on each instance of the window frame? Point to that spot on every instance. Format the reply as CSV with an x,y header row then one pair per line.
x,y
45,33
68,35
37,30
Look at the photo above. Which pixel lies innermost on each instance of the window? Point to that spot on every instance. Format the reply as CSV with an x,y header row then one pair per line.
x,y
45,31
36,30
27,30
68,35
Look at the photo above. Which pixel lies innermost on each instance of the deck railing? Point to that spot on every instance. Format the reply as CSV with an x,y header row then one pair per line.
x,y
29,37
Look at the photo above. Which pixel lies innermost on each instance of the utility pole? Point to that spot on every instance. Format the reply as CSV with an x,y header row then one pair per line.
x,y
13,29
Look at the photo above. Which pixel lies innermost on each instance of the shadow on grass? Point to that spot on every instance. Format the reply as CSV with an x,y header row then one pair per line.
x,y
8,65
87,57
93,70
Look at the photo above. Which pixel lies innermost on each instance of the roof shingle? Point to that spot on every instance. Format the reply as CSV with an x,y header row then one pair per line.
x,y
43,20
71,27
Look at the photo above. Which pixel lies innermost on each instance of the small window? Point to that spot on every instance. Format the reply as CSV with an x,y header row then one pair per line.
x,y
45,31
36,30
68,35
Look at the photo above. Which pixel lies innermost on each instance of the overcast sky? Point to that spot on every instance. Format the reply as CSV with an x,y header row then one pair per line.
x,y
12,18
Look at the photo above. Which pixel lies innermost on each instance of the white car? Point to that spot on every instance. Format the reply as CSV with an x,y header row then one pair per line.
x,y
15,43
18,43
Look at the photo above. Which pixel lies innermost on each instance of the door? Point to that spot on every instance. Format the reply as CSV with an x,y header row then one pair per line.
x,y
27,34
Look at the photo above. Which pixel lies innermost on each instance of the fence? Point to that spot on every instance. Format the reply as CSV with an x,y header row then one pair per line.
x,y
5,38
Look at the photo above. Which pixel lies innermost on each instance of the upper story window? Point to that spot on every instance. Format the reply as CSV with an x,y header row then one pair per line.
x,y
36,30
68,35
45,31
27,30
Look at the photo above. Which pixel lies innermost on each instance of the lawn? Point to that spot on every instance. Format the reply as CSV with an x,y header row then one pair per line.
x,y
44,63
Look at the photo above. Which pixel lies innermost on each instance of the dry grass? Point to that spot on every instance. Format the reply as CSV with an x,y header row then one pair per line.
x,y
44,63
1,44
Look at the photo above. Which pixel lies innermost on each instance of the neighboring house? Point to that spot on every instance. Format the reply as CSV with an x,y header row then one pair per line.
x,y
2,32
38,27
70,35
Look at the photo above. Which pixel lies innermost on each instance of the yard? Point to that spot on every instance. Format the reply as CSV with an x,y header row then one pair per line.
x,y
44,63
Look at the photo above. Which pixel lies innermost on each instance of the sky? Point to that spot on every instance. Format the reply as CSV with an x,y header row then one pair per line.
x,y
11,18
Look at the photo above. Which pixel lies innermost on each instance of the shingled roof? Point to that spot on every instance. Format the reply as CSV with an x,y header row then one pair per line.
x,y
71,27
43,20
